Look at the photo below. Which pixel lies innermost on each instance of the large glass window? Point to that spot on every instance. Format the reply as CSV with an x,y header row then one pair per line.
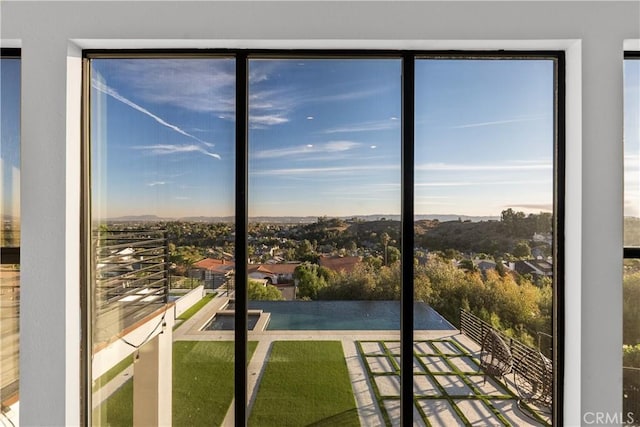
x,y
161,239
324,209
337,245
484,192
631,278
9,234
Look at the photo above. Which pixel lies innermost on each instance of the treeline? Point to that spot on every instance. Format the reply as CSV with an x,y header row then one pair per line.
x,y
508,302
496,238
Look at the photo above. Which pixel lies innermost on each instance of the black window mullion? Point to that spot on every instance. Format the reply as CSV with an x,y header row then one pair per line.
x,y
407,186
558,241
241,241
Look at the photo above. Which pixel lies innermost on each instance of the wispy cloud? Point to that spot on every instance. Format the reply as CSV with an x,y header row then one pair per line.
x,y
444,184
201,85
308,150
261,121
165,149
487,168
499,122
481,183
270,107
368,126
153,184
347,96
324,170
102,87
533,206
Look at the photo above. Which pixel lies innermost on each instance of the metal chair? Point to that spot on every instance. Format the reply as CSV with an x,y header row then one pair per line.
x,y
495,357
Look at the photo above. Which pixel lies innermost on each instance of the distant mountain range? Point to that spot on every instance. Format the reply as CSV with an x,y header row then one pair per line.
x,y
300,219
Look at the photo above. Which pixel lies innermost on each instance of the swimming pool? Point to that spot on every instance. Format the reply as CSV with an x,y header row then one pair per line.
x,y
227,322
346,315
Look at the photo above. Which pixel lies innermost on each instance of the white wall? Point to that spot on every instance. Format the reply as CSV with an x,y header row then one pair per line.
x,y
185,302
51,35
115,351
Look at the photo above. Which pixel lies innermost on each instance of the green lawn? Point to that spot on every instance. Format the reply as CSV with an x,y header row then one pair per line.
x,y
202,386
305,383
203,381
113,372
196,307
117,411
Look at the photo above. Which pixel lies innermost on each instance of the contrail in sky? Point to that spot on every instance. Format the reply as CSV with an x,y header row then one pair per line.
x,y
114,94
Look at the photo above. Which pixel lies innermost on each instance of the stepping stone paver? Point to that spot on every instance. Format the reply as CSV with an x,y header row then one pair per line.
x,y
372,347
464,364
423,385
388,385
488,387
513,414
435,364
453,385
446,347
380,364
423,347
478,414
417,367
394,347
439,412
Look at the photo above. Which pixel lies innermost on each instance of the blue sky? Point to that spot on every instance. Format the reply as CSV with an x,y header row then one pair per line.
x,y
324,136
10,136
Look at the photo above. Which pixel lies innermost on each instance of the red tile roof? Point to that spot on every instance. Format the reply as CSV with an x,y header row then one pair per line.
x,y
212,264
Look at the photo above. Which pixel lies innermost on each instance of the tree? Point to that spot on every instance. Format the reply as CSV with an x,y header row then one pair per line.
x,y
522,250
258,292
514,222
385,239
310,279
630,312
393,255
305,252
467,265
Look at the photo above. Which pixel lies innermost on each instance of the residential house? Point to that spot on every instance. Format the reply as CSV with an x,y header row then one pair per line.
x,y
214,272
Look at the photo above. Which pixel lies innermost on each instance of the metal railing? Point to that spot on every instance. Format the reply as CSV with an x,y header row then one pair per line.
x,y
131,277
528,362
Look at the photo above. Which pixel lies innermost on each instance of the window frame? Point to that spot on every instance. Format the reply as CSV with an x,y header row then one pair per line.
x,y
408,57
629,252
10,255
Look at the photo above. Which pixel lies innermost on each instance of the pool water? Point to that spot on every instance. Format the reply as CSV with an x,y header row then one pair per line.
x,y
227,322
346,315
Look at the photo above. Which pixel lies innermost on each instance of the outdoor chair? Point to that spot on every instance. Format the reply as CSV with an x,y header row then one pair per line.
x,y
495,357
535,384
